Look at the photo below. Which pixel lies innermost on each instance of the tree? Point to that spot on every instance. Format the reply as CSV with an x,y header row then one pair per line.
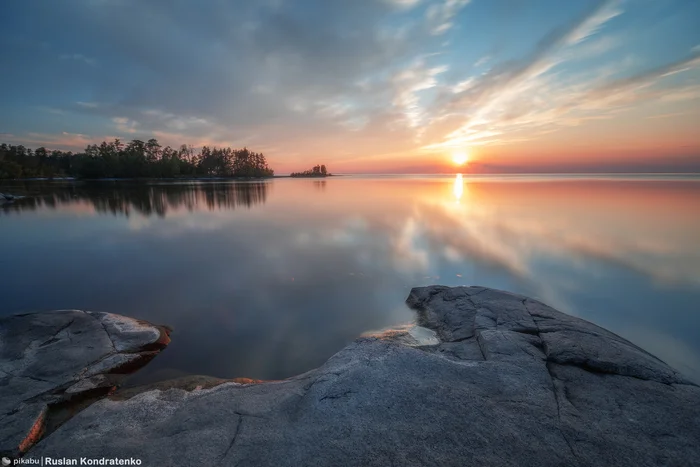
x,y
133,160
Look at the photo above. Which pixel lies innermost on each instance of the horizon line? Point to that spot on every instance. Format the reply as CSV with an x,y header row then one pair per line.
x,y
516,173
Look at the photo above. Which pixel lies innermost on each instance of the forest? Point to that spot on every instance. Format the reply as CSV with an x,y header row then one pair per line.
x,y
136,159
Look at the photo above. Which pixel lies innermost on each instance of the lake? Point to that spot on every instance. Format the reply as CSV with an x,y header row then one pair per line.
x,y
268,279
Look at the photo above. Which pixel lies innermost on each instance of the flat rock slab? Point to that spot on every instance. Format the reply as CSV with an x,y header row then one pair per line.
x,y
487,378
54,361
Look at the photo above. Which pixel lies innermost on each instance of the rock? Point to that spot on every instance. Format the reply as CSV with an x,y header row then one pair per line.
x,y
6,197
489,379
59,360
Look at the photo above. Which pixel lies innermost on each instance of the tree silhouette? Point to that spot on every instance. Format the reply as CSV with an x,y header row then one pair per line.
x,y
316,171
137,159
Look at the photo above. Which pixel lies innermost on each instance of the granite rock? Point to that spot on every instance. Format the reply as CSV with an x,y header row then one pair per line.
x,y
52,363
486,378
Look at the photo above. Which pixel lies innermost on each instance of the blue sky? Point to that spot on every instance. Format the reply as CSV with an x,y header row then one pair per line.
x,y
385,85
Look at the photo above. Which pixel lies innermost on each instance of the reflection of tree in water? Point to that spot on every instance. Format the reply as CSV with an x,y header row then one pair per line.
x,y
320,185
125,199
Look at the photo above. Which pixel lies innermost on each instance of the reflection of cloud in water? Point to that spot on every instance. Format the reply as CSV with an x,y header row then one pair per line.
x,y
408,253
516,242
354,251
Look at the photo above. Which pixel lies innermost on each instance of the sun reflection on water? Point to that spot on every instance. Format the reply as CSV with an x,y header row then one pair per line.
x,y
458,188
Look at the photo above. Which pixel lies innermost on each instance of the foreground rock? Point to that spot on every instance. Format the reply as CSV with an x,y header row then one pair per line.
x,y
488,379
53,364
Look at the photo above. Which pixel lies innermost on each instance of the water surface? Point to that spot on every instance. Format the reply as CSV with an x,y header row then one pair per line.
x,y
269,279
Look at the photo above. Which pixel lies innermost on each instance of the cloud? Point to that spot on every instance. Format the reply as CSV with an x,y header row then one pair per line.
x,y
229,67
88,105
464,85
592,23
440,16
62,140
404,4
620,89
125,125
529,95
482,61
159,118
408,83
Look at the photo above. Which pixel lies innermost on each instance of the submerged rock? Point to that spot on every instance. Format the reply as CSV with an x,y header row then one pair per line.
x,y
54,364
6,197
489,379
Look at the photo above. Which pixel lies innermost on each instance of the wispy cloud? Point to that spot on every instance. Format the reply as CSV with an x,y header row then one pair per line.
x,y
621,88
440,16
88,105
531,95
405,4
592,23
409,83
482,61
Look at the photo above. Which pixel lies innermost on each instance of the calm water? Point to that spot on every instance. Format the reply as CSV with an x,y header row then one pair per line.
x,y
269,279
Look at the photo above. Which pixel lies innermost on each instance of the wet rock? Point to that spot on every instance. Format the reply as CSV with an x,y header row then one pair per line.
x,y
490,379
61,359
8,197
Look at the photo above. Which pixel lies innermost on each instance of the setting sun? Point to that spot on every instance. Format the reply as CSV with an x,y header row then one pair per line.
x,y
460,157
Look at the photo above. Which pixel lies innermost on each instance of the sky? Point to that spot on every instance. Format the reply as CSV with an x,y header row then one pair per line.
x,y
364,86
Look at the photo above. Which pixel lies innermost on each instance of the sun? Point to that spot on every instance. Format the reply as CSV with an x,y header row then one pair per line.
x,y
460,157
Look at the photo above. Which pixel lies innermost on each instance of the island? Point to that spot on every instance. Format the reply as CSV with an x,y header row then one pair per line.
x,y
315,172
483,377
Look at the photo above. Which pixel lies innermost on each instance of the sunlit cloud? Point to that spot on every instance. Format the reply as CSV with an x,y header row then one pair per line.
x,y
519,105
510,96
